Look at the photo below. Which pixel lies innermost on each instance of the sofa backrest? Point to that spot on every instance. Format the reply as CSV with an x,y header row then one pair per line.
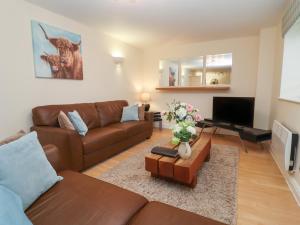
x,y
111,111
47,115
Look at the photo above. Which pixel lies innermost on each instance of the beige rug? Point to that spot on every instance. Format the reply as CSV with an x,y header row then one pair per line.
x,y
213,197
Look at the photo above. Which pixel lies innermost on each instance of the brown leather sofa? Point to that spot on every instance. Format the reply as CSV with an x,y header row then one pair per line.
x,y
82,200
105,138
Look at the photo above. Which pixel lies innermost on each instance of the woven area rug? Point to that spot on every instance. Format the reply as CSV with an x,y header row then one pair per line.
x,y
213,197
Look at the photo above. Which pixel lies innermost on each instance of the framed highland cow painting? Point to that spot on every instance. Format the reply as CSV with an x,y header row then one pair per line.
x,y
57,53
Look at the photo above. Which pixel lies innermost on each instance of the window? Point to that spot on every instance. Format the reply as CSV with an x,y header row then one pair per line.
x,y
290,80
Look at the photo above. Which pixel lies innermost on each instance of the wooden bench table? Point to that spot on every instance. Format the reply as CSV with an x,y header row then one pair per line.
x,y
177,169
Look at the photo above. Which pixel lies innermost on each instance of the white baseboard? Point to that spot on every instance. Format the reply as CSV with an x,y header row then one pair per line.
x,y
295,189
290,180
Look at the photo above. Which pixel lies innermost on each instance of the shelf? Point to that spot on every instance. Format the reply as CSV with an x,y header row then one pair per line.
x,y
198,88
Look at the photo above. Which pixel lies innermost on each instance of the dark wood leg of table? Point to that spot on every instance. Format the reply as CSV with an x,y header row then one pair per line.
x,y
207,157
154,175
194,182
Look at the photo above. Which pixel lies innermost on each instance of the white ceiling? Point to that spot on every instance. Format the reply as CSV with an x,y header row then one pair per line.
x,y
145,23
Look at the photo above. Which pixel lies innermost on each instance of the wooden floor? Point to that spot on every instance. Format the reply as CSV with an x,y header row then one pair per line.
x,y
263,195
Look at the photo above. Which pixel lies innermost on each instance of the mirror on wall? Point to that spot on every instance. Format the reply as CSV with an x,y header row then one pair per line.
x,y
197,71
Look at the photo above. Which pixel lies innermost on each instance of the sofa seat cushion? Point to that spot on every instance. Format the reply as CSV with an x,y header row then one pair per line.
x,y
99,138
80,199
161,214
132,127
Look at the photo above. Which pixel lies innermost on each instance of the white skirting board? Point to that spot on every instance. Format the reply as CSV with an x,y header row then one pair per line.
x,y
290,180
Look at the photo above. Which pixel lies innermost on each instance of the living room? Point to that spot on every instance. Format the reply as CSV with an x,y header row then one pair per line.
x,y
138,52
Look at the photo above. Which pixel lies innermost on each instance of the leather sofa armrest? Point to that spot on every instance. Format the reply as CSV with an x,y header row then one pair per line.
x,y
54,157
149,116
68,142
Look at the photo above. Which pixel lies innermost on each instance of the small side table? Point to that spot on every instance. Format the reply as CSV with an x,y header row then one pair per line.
x,y
157,118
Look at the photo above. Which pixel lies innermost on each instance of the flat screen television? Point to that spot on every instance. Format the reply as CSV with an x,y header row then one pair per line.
x,y
234,110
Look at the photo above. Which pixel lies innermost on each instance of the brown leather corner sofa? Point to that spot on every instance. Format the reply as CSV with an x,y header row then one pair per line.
x,y
106,137
82,200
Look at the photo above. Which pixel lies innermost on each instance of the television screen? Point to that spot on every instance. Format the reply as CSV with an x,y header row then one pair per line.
x,y
234,110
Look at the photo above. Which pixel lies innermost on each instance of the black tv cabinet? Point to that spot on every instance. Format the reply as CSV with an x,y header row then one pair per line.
x,y
245,133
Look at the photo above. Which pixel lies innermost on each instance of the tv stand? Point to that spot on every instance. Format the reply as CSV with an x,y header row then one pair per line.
x,y
245,133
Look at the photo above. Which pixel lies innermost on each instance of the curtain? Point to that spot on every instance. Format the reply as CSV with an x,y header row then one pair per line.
x,y
291,15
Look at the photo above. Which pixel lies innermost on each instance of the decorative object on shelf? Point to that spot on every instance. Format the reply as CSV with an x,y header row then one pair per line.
x,y
214,81
57,53
145,98
186,117
173,75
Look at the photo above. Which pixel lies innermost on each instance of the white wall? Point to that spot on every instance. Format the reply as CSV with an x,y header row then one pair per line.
x,y
243,77
265,76
288,113
20,91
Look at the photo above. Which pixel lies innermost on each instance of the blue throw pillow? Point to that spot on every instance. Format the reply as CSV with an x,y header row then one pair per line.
x,y
78,123
130,113
24,168
11,209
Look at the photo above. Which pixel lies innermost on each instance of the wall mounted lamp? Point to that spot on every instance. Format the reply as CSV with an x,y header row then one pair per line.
x,y
118,60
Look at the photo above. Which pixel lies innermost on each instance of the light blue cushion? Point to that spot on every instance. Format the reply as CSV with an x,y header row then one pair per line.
x,y
11,209
78,123
130,113
25,169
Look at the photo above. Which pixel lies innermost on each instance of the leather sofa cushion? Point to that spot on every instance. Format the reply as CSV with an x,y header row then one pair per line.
x,y
159,213
132,127
111,111
99,138
80,199
48,115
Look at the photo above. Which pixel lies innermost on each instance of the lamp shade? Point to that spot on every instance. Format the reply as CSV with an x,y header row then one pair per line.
x,y
145,97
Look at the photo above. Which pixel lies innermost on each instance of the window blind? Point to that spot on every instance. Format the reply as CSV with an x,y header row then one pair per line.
x,y
291,15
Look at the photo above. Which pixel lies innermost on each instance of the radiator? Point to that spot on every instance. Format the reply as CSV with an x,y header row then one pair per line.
x,y
284,146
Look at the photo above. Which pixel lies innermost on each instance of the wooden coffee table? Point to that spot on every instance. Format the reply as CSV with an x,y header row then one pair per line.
x,y
177,169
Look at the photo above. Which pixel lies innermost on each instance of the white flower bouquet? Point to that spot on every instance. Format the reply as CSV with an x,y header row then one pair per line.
x,y
186,117
180,111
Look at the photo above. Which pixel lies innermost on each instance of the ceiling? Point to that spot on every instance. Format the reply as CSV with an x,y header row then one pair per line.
x,y
147,23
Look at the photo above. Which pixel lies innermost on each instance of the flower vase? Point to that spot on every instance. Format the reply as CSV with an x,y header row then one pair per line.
x,y
184,150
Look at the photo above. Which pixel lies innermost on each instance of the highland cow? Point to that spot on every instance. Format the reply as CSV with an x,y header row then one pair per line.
x,y
55,65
